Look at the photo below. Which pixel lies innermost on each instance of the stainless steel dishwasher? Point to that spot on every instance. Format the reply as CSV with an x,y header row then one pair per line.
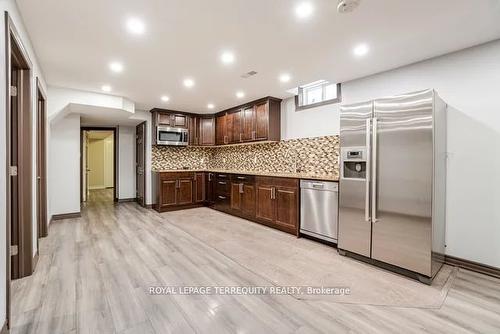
x,y
319,209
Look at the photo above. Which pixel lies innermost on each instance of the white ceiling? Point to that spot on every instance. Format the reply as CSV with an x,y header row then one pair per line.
x,y
76,40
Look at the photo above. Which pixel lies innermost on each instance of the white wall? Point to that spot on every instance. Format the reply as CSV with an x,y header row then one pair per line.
x,y
469,81
11,7
64,166
126,158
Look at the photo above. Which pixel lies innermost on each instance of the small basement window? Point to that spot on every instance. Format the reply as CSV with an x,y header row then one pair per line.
x,y
316,94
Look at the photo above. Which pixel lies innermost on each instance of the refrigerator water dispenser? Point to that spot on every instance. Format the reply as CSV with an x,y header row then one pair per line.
x,y
354,163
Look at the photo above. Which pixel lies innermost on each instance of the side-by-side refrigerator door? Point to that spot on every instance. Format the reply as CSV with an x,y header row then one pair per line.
x,y
354,195
402,153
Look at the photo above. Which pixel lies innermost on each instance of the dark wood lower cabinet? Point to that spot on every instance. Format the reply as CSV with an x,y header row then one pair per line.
x,y
272,201
173,190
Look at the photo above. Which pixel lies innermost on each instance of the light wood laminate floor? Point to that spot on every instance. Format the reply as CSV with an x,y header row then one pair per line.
x,y
94,272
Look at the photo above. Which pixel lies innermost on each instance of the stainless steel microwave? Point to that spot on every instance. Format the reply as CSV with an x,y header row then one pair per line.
x,y
166,135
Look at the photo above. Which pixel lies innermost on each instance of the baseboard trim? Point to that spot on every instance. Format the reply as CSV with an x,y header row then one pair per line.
x,y
125,200
473,266
4,329
66,216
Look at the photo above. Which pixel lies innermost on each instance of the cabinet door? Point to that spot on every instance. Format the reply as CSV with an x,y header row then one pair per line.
x,y
220,130
261,121
210,188
236,130
163,119
199,183
206,131
235,196
266,210
179,121
286,207
193,130
168,193
248,200
248,124
185,192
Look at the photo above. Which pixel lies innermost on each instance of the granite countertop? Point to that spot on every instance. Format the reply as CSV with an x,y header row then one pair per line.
x,y
298,175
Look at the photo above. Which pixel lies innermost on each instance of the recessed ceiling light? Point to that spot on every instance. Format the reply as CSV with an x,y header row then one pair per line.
x,y
188,83
165,98
227,57
136,26
116,67
210,106
106,88
361,50
304,10
285,77
240,94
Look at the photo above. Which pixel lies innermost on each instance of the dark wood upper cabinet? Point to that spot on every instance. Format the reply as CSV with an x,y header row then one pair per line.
x,y
248,124
259,120
206,131
220,130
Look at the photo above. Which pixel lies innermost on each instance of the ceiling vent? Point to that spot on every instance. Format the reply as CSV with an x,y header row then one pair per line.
x,y
347,6
248,74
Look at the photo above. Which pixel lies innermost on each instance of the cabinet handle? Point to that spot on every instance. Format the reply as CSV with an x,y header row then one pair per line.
x,y
273,193
241,178
241,188
253,135
222,197
225,139
240,137
209,176
223,183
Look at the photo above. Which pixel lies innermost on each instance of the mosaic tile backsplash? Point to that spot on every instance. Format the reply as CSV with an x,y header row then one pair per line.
x,y
318,155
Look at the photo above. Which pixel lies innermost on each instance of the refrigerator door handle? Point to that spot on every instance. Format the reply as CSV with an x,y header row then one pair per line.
x,y
374,170
368,168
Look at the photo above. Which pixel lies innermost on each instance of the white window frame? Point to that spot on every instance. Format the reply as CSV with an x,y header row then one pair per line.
x,y
300,97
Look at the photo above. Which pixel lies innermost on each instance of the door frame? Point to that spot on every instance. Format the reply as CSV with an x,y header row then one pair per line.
x,y
25,247
144,125
41,132
115,157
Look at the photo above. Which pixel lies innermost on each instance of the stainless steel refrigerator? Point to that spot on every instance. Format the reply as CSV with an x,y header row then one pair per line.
x,y
393,183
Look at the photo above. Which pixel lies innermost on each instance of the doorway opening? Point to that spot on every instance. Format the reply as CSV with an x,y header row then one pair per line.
x,y
98,166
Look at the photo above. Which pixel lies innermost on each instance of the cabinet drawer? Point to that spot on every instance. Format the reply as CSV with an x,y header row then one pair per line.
x,y
176,175
242,178
222,186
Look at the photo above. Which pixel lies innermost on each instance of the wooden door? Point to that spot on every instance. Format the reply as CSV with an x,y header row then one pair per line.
x,y
207,131
287,207
199,183
220,130
248,124
248,200
185,191
41,164
140,163
168,190
266,209
236,196
261,121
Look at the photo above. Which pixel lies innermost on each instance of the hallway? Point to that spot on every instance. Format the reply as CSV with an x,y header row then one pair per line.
x,y
94,273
